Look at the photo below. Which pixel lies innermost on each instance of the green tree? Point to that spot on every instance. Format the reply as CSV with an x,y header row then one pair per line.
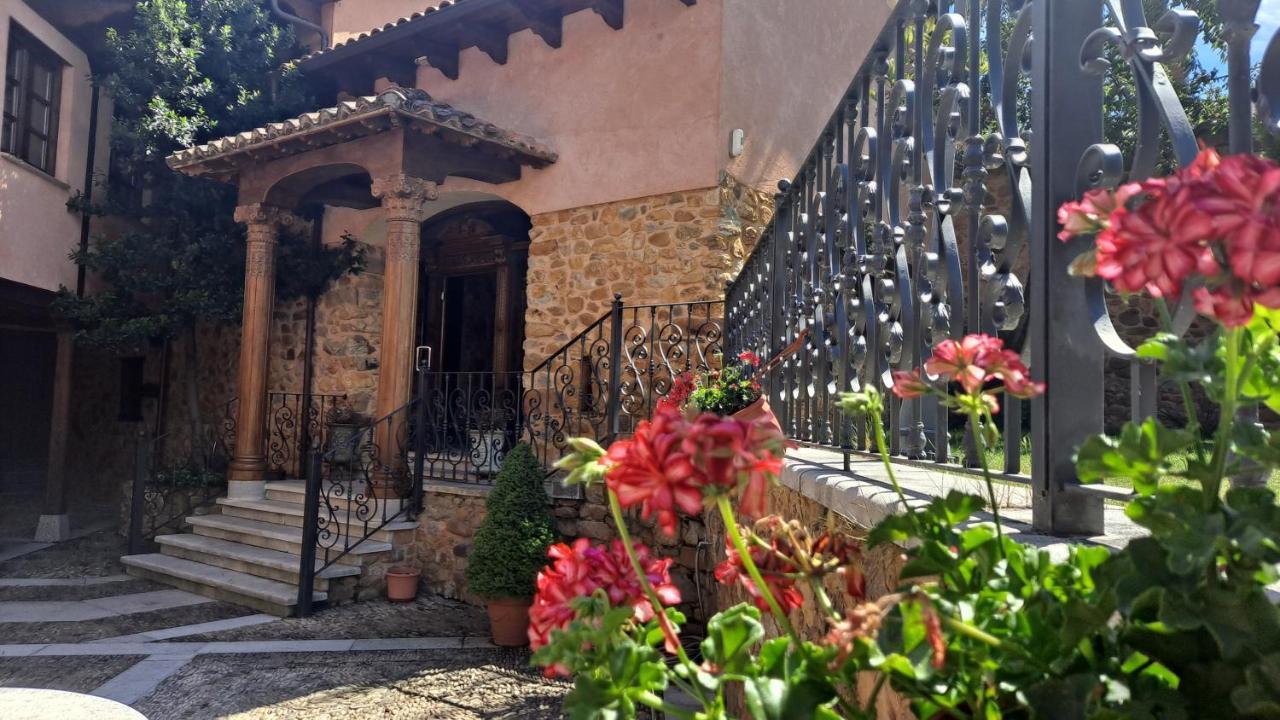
x,y
511,544
185,72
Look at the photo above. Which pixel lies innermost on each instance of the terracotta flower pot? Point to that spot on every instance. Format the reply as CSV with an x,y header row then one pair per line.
x,y
402,584
509,622
758,410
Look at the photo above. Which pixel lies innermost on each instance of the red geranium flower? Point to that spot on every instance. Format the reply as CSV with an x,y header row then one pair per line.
x,y
652,470
1158,245
580,569
749,358
776,570
732,454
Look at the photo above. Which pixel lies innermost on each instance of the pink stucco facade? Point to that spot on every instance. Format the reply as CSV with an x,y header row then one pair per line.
x,y
36,230
651,108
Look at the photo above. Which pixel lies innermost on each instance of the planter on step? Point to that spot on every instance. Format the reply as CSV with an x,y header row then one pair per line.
x,y
402,584
509,622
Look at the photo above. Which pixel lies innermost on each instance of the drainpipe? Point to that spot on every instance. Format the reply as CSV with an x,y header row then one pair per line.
x,y
295,20
87,193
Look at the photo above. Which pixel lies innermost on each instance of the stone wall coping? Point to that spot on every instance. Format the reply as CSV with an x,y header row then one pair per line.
x,y
863,495
456,488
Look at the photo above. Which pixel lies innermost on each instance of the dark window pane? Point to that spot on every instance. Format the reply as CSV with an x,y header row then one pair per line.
x,y
6,135
38,116
42,81
37,151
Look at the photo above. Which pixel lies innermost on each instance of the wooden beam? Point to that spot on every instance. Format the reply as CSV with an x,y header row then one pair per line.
x,y
548,25
442,57
610,10
492,41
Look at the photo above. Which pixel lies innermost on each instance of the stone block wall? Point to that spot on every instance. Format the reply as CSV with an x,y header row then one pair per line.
x,y
676,247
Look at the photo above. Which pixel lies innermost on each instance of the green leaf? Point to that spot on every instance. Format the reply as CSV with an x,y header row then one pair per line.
x,y
1140,455
730,636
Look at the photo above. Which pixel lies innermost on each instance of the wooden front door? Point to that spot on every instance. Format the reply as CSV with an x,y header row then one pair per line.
x,y
472,308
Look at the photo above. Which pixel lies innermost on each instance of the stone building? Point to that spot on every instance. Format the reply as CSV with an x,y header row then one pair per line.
x,y
520,171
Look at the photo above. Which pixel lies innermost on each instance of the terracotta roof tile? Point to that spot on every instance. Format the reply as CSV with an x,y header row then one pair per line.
x,y
410,103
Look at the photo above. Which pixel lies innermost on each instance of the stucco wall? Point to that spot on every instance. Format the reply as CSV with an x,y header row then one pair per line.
x,y
786,65
36,230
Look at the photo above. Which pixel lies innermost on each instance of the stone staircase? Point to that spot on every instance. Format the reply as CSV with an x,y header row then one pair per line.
x,y
249,552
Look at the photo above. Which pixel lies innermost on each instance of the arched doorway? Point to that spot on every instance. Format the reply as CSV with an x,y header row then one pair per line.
x,y
471,303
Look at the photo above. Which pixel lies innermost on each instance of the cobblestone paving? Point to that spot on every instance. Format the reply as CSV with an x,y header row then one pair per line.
x,y
428,616
74,674
443,685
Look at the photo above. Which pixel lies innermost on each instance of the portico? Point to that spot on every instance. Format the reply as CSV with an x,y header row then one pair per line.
x,y
389,150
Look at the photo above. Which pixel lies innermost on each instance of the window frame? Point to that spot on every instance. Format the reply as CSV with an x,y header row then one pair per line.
x,y
26,53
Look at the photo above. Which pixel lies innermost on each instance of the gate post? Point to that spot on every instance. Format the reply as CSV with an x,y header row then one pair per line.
x,y
1066,352
310,529
615,367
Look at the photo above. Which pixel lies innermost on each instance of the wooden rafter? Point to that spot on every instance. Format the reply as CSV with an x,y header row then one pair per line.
x,y
546,24
610,10
442,57
492,41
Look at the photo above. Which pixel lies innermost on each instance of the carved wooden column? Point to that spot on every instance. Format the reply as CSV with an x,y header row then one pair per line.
x,y
246,478
405,200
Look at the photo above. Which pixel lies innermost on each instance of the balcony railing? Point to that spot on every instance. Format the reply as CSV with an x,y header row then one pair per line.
x,y
927,210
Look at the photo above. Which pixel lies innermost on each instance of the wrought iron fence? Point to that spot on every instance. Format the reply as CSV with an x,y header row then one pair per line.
x,y
292,428
927,210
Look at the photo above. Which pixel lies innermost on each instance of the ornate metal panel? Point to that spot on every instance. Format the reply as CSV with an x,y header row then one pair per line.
x,y
927,209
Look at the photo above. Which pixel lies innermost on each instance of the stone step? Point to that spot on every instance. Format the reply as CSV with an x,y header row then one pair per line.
x,y
270,564
284,538
280,512
295,491
261,594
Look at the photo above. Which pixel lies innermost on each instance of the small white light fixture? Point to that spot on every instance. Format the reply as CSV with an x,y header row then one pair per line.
x,y
736,139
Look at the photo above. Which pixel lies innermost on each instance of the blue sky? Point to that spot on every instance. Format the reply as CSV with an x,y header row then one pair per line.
x,y
1268,20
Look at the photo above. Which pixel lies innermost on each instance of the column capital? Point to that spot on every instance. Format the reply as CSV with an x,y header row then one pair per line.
x,y
405,197
260,214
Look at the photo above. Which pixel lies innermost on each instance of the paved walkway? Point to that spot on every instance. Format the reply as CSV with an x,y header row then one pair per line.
x,y
140,663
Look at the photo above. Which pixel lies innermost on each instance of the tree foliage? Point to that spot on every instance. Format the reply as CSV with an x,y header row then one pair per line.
x,y
185,72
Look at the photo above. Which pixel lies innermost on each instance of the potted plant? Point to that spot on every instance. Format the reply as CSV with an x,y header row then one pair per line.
x,y
732,391
511,546
344,427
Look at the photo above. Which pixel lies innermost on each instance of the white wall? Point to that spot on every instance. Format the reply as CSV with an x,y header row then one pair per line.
x,y
36,230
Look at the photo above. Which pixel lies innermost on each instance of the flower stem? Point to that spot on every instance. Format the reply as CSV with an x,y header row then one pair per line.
x,y
1184,387
731,527
824,600
975,424
1227,416
625,536
657,703
877,427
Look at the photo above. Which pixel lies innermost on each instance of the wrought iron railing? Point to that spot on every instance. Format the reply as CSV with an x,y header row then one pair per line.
x,y
292,428
926,210
608,377
173,477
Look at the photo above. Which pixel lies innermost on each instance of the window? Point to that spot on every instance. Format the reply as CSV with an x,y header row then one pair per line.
x,y
32,89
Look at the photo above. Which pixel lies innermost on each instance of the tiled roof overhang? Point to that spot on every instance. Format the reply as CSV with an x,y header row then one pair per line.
x,y
440,32
394,107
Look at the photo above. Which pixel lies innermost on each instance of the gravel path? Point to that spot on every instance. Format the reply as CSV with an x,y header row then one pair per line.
x,y
93,555
75,632
428,616
83,674
85,592
443,685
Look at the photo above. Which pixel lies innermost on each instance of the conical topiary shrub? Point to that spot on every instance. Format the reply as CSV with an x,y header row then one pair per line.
x,y
511,544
